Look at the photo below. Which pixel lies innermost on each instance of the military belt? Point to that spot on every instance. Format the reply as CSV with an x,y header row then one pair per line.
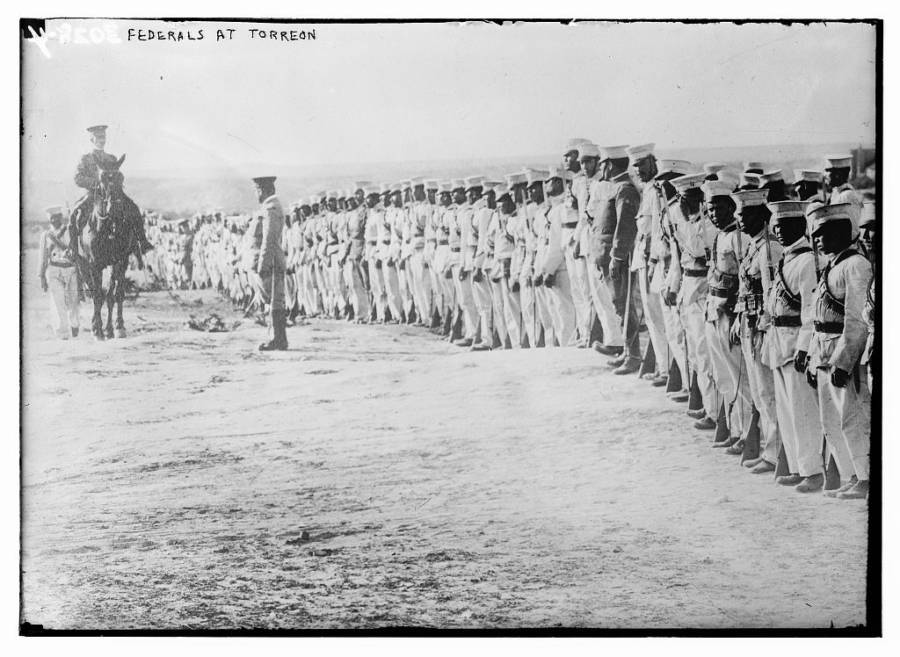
x,y
722,292
570,224
385,241
653,261
61,264
455,249
829,327
443,242
786,320
372,242
696,273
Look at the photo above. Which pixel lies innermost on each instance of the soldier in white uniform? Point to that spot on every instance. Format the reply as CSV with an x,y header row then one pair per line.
x,y
461,226
791,307
374,229
58,276
728,249
575,233
687,278
837,346
537,210
756,274
643,163
505,255
553,267
490,245
443,257
475,221
837,186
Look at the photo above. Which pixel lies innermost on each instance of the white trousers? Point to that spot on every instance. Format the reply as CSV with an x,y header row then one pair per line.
x,y
845,415
62,284
796,405
762,391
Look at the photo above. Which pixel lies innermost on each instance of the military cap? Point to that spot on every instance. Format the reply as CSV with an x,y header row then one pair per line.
x,y
671,168
396,188
719,187
458,183
824,214
501,190
445,187
749,197
636,153
842,161
264,180
867,216
807,175
513,179
713,167
361,185
749,180
417,181
753,166
788,209
474,181
313,200
53,210
431,184
490,184
575,144
613,153
690,181
371,189
556,171
97,129
728,178
533,176
589,149
771,176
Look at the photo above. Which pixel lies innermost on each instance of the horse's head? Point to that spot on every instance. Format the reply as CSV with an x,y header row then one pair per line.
x,y
111,178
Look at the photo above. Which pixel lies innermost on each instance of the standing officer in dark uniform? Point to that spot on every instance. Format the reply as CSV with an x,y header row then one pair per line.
x,y
87,176
270,263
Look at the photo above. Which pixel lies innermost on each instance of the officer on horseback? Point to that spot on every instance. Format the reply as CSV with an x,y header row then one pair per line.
x,y
87,176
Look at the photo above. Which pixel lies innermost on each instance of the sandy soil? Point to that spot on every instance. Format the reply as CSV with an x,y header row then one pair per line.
x,y
376,476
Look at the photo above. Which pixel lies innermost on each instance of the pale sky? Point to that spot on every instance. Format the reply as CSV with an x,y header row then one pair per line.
x,y
375,93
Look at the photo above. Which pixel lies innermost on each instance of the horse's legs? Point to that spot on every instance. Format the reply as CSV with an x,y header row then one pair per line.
x,y
96,289
120,299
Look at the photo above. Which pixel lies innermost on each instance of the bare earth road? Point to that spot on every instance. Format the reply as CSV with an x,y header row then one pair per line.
x,y
169,478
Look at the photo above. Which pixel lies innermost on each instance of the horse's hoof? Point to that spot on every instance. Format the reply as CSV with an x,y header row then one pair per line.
x,y
120,333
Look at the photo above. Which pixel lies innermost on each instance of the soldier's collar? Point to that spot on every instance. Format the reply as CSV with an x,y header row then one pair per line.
x,y
621,177
799,244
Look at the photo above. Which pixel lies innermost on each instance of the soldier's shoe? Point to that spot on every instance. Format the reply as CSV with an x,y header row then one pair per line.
x,y
680,395
273,345
763,467
630,366
74,331
789,480
834,492
706,424
659,381
463,342
859,491
750,463
812,484
728,442
601,348
737,449
697,413
480,346
618,361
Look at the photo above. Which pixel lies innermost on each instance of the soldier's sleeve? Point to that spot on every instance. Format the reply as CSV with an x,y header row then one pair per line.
x,y
807,288
265,249
849,347
85,175
627,204
553,255
44,256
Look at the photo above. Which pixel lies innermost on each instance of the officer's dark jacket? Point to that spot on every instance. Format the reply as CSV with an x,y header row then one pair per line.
x,y
616,227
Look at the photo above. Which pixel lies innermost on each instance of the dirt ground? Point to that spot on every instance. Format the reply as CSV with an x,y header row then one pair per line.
x,y
377,476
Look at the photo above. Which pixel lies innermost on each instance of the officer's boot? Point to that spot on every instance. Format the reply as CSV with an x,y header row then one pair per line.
x,y
279,328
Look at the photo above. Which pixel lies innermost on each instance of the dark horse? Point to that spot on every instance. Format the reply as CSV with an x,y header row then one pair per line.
x,y
107,240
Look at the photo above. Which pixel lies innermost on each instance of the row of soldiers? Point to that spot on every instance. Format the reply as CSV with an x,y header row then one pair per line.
x,y
757,295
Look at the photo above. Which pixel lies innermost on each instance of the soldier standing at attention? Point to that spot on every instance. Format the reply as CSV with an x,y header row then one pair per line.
x,y
791,307
837,346
57,274
270,263
756,273
574,230
837,185
807,184
615,232
87,176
